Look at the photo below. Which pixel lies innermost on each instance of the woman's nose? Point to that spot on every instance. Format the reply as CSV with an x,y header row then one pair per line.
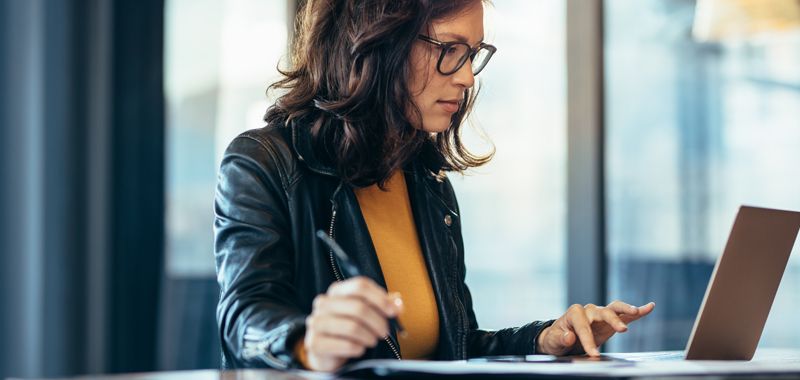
x,y
464,76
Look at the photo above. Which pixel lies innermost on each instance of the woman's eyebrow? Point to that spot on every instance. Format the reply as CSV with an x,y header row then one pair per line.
x,y
456,37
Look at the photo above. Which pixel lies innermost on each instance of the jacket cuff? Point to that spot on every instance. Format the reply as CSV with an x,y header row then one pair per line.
x,y
275,348
541,326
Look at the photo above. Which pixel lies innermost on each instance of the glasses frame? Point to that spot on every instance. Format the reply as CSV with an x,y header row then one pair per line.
x,y
470,54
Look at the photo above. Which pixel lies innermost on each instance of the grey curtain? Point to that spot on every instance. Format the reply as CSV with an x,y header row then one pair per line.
x,y
81,233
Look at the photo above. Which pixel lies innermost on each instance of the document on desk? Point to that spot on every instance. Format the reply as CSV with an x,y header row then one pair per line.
x,y
598,369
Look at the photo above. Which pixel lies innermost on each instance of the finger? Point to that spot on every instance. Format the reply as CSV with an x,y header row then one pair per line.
x,y
604,315
641,312
344,328
568,339
612,319
579,324
332,347
323,363
367,289
354,308
620,307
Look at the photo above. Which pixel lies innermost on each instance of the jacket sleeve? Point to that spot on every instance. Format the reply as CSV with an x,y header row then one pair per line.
x,y
509,341
257,314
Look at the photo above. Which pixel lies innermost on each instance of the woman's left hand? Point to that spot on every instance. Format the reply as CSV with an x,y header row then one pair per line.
x,y
584,328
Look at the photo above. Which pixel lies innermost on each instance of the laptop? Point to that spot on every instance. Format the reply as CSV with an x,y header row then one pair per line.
x,y
741,290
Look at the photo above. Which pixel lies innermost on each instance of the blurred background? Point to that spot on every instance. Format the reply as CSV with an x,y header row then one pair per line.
x,y
630,130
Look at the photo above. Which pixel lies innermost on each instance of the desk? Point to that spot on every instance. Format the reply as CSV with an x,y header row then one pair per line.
x,y
790,356
278,375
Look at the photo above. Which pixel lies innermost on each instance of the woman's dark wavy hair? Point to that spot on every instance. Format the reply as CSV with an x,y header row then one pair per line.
x,y
349,78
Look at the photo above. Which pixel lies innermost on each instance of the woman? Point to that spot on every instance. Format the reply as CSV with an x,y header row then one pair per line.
x,y
358,146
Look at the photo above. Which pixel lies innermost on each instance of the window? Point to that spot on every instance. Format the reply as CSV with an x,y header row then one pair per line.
x,y
220,58
513,209
693,131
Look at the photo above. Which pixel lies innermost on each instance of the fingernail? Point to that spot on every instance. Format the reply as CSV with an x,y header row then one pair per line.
x,y
396,299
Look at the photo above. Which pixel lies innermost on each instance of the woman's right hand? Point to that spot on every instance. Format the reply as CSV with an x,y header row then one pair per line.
x,y
349,318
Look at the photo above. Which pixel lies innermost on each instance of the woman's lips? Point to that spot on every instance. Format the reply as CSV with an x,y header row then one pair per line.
x,y
448,106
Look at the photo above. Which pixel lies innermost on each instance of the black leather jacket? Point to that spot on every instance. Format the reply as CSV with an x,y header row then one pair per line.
x,y
271,197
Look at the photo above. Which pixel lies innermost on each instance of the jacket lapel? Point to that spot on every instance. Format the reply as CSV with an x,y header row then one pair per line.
x,y
353,235
429,212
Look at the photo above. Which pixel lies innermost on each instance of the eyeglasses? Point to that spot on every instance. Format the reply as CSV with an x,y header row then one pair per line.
x,y
455,54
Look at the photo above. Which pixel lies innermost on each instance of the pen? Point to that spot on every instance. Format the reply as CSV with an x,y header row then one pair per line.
x,y
351,270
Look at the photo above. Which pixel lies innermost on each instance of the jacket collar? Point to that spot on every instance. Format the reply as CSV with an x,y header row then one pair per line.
x,y
301,142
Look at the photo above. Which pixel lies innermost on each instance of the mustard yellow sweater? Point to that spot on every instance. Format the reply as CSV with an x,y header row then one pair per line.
x,y
391,225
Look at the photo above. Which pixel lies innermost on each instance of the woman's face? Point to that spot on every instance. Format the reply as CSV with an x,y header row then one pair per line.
x,y
438,96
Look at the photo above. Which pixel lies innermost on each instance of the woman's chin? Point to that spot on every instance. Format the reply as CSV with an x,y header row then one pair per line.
x,y
437,127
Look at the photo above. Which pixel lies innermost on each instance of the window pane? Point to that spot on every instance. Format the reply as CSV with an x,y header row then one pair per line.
x,y
694,130
513,209
219,58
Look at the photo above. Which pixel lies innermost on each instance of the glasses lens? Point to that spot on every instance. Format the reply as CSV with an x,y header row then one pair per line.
x,y
480,60
453,57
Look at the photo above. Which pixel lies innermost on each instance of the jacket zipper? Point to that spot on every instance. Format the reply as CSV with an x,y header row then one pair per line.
x,y
258,344
338,275
391,345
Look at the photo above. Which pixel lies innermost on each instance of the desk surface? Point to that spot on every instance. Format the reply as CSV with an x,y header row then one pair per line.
x,y
777,355
278,375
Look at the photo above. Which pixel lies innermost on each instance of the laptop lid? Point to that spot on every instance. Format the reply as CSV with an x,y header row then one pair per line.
x,y
743,285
